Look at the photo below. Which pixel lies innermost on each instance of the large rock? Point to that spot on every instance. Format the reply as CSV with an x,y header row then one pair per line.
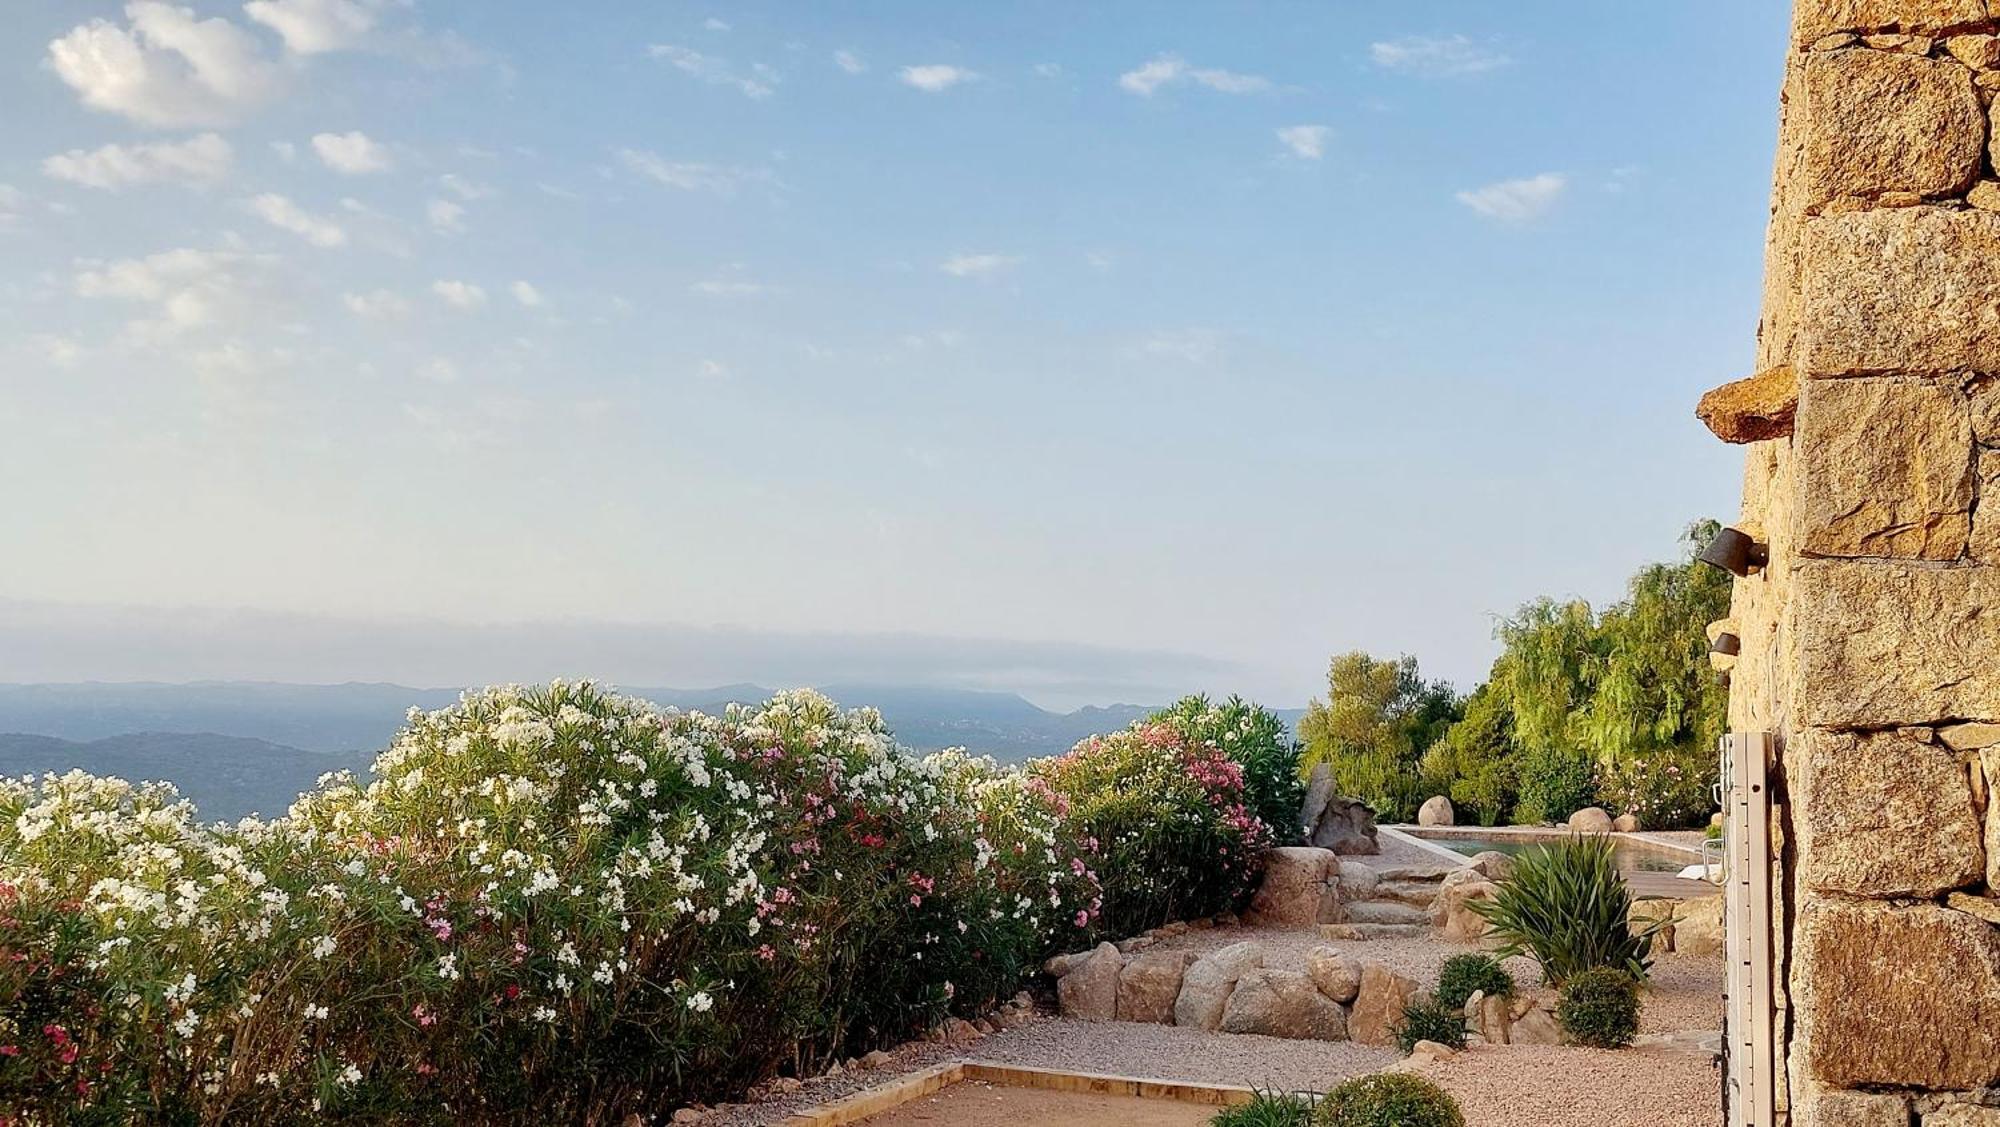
x,y
1300,888
1698,926
1089,992
1881,121
1822,18
1337,822
1907,997
1378,1006
1591,820
1358,881
1149,985
1337,976
1887,644
1887,469
1537,1026
1283,1003
1436,811
1755,409
1453,916
1884,814
1206,986
1490,1016
1836,1108
1963,1115
1937,317
1625,823
1491,864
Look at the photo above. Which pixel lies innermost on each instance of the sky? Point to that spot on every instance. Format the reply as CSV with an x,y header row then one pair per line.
x,y
1097,351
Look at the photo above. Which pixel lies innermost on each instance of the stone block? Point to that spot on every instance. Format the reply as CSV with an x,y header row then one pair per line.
x,y
1300,888
1882,121
1886,644
1835,1108
1896,996
1885,469
1378,1008
1283,1003
1962,1115
1149,985
1902,290
1983,542
1814,19
1206,986
1089,991
1884,814
1337,976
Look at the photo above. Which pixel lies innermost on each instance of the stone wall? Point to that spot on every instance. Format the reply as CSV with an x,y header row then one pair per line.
x,y
1870,643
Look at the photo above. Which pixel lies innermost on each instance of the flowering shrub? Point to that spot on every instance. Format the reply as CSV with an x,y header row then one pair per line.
x,y
1170,819
555,898
1258,741
1668,788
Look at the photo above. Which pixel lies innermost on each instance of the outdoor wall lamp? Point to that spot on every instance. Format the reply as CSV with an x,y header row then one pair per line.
x,y
1735,552
1728,645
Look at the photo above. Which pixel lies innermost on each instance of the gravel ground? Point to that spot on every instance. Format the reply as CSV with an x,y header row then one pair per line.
x,y
972,1104
1549,1086
1171,1053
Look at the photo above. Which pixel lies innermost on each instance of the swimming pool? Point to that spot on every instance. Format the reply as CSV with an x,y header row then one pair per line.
x,y
1633,856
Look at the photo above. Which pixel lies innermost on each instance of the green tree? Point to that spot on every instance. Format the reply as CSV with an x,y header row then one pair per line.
x,y
1378,719
1474,762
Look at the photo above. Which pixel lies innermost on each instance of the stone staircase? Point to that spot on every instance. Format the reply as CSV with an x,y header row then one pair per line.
x,y
1389,903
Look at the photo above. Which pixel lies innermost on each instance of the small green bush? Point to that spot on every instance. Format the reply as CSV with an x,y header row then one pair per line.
x,y
1431,1020
1555,782
1389,1099
1600,1008
1463,975
1266,1109
1567,905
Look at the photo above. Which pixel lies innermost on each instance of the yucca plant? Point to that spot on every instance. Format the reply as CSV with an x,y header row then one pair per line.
x,y
1567,905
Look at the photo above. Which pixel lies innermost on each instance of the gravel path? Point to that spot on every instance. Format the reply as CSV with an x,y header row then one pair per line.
x,y
1548,1086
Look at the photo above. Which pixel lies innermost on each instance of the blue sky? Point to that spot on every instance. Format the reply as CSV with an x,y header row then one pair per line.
x,y
1247,333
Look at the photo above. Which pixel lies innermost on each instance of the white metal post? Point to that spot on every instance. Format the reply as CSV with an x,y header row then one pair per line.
x,y
1752,1080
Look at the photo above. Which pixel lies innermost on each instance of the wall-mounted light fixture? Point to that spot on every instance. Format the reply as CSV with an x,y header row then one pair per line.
x,y
1727,644
1735,552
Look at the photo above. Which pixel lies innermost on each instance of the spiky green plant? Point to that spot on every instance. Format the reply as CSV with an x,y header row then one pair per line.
x,y
1567,905
1474,971
1268,1108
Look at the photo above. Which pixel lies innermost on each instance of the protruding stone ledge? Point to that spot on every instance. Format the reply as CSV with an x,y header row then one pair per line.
x,y
1755,409
1885,814
1897,996
1885,644
1903,290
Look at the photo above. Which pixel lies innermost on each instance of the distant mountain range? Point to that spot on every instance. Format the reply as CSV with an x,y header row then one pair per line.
x,y
236,746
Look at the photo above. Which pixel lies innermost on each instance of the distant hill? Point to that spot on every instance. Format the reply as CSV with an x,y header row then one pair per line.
x,y
237,746
227,777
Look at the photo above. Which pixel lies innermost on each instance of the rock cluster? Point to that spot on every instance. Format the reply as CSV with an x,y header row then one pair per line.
x,y
1230,990
1301,887
1337,822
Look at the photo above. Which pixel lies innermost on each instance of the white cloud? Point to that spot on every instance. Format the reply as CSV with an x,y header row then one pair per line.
x,y
849,62
377,305
280,212
1187,346
438,370
188,289
63,352
688,176
313,27
1170,69
204,159
1516,201
465,189
445,216
167,69
1448,56
717,72
351,154
729,287
1306,141
527,295
714,24
936,77
459,295
977,265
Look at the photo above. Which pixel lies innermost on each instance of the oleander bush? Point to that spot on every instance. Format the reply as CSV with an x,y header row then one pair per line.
x,y
1431,1019
1470,973
1170,819
1668,788
555,897
1260,742
1567,905
1600,1008
1388,1099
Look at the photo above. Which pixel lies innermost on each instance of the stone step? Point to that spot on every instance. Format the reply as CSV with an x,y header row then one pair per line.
x,y
1386,912
1432,873
1415,892
1363,932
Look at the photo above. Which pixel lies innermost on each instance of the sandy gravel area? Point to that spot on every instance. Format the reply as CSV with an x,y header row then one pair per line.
x,y
973,1104
1549,1086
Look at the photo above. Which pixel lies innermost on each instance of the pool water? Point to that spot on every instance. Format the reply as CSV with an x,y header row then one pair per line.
x,y
1631,858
